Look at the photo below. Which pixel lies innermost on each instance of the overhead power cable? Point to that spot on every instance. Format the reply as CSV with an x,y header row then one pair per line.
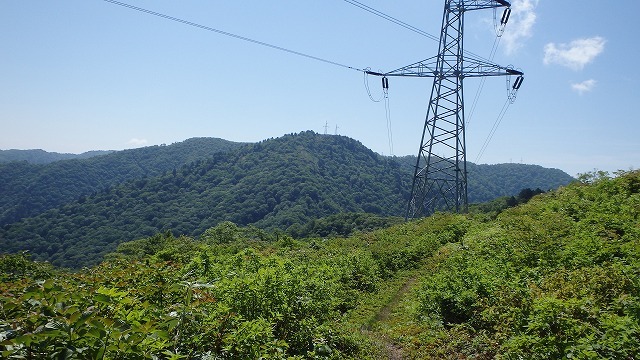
x,y
366,86
492,132
387,108
402,24
392,19
492,54
225,33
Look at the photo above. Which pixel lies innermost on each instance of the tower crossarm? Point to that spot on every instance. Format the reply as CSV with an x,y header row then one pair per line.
x,y
466,5
471,67
440,174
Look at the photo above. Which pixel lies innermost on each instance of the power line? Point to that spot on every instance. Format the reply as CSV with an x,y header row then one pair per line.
x,y
387,109
366,86
492,54
392,19
243,38
403,24
512,93
493,130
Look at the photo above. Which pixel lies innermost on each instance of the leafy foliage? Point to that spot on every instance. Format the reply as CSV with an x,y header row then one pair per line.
x,y
492,208
342,224
555,278
308,176
227,295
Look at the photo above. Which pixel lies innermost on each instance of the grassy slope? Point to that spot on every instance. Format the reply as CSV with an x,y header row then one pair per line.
x,y
555,278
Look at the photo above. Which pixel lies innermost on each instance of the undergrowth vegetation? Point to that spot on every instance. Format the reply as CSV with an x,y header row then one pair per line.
x,y
232,293
554,278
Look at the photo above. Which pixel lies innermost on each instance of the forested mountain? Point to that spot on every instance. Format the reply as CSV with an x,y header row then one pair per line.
x,y
486,182
279,183
29,189
38,156
274,183
555,278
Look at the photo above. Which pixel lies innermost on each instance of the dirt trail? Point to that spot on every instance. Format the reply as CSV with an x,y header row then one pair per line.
x,y
385,312
394,351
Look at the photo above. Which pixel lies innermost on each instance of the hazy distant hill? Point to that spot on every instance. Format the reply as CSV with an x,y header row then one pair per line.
x,y
38,156
487,182
277,183
28,189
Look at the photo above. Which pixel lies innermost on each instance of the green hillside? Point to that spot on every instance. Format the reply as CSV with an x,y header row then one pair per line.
x,y
275,183
487,182
29,189
282,183
555,278
38,156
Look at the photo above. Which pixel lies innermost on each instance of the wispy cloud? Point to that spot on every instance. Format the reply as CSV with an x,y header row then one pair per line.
x,y
520,25
576,54
135,142
584,86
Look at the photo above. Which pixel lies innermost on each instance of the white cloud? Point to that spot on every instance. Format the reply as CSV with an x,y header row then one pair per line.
x,y
584,86
137,142
576,54
520,25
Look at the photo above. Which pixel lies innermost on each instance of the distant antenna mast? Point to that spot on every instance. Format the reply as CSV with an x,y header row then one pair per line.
x,y
337,127
326,126
440,176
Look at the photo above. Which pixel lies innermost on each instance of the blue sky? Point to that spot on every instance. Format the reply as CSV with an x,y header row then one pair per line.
x,y
81,75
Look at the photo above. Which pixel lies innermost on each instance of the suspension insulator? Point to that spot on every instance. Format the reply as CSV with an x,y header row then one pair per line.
x,y
505,16
385,83
518,82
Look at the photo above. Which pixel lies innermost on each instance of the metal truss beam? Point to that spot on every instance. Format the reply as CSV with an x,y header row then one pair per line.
x,y
440,175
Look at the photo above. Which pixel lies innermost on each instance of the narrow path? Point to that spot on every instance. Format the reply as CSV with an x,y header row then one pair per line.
x,y
394,351
385,312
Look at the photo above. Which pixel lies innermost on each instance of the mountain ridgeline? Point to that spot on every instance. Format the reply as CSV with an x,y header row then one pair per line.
x,y
29,189
38,156
281,183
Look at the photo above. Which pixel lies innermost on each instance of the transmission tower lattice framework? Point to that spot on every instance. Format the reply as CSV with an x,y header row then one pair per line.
x,y
440,177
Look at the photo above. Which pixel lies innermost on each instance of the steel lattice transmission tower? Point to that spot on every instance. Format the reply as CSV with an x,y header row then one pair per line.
x,y
440,177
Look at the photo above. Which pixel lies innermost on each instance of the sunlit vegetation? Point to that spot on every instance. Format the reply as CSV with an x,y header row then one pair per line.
x,y
554,277
231,293
86,208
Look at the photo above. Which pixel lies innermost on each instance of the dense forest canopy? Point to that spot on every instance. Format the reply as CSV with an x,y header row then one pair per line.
x,y
281,183
29,189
